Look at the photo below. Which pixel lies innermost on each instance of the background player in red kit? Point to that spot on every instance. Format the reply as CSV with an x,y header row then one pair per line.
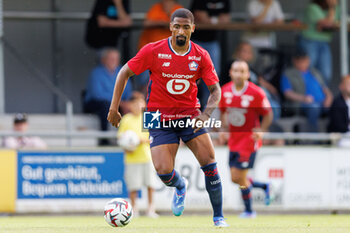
x,y
242,104
175,64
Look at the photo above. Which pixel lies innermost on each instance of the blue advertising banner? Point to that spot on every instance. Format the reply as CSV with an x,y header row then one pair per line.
x,y
43,175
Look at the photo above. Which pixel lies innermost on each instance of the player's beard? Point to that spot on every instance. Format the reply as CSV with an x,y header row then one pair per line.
x,y
180,42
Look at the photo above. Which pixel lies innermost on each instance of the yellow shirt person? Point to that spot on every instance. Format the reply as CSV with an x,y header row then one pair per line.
x,y
139,170
142,154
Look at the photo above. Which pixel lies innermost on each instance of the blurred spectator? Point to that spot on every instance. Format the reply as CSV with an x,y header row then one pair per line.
x,y
245,52
303,86
20,124
321,17
139,169
263,12
155,30
156,17
106,23
339,116
209,12
100,87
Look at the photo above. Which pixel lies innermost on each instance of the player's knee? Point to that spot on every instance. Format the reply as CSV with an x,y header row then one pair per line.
x,y
211,158
207,160
235,179
163,168
238,180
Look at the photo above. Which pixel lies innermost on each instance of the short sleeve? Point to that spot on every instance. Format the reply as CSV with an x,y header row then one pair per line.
x,y
314,13
278,13
285,84
208,73
263,104
142,60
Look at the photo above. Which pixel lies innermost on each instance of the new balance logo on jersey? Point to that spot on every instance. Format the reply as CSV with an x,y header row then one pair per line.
x,y
164,56
166,64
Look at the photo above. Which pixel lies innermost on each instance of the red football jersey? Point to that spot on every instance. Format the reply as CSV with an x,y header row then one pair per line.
x,y
172,87
243,111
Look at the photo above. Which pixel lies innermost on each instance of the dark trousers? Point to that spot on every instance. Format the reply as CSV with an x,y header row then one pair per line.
x,y
101,108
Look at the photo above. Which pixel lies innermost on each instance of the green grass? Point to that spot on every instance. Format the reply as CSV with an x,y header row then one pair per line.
x,y
170,224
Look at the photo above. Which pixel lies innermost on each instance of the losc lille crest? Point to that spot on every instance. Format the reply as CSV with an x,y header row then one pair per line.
x,y
193,66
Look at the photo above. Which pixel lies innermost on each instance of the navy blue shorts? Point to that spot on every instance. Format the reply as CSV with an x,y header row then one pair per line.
x,y
234,161
172,135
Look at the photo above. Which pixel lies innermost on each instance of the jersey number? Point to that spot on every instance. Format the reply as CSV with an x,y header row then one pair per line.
x,y
177,86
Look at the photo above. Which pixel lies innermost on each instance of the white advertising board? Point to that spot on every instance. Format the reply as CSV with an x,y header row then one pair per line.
x,y
310,178
303,178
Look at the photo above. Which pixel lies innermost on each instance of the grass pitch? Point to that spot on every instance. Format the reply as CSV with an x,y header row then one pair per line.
x,y
184,224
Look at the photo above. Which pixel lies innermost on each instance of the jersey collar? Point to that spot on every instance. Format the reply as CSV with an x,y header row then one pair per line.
x,y
171,48
239,93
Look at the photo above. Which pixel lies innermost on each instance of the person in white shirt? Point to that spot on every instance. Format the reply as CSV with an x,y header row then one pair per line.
x,y
20,124
263,12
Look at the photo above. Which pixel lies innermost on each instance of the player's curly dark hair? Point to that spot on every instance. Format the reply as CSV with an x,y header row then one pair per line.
x,y
182,13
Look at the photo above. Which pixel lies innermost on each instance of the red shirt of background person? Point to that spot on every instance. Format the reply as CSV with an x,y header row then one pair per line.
x,y
243,109
158,15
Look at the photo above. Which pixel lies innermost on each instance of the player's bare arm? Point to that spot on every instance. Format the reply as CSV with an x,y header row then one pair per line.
x,y
224,131
329,97
259,18
266,121
224,18
124,20
114,116
202,16
213,101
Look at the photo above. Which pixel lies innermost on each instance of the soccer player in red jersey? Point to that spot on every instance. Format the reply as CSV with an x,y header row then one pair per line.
x,y
242,104
175,64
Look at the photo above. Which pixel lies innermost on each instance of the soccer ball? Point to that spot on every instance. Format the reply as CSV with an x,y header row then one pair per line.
x,y
129,140
118,212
